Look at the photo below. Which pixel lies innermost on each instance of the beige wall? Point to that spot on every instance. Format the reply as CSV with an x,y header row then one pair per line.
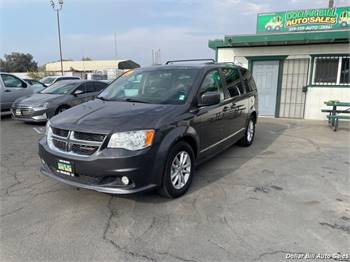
x,y
316,97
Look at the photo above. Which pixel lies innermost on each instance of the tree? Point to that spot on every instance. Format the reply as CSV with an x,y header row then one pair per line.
x,y
18,62
86,59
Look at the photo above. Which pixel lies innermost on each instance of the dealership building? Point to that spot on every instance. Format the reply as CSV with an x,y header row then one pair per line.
x,y
299,60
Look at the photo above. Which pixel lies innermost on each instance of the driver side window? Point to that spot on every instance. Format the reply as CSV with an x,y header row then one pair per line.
x,y
11,81
82,88
212,83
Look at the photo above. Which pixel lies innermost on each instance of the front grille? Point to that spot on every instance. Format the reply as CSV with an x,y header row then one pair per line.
x,y
89,136
84,149
60,132
61,145
26,112
78,143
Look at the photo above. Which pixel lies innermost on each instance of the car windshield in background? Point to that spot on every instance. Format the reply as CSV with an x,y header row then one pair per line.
x,y
166,86
47,80
60,88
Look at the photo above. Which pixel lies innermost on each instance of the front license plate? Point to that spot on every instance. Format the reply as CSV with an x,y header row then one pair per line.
x,y
65,167
18,112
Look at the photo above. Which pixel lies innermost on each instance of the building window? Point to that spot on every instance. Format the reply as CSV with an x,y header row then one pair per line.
x,y
344,72
331,70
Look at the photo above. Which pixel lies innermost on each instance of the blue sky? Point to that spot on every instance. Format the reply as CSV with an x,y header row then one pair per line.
x,y
180,28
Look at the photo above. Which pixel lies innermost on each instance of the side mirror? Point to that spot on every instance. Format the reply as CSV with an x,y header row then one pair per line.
x,y
77,92
24,84
209,99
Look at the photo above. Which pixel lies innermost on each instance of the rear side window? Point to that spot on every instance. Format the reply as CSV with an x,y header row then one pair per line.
x,y
233,81
248,80
212,83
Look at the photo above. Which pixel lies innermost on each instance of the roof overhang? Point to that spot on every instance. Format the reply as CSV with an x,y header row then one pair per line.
x,y
283,39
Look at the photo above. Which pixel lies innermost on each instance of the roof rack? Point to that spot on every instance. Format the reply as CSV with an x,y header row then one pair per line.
x,y
189,60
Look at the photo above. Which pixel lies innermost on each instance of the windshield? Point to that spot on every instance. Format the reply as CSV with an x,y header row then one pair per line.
x,y
48,80
163,86
60,88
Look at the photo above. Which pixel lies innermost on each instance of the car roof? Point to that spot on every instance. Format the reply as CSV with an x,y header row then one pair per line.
x,y
191,66
68,81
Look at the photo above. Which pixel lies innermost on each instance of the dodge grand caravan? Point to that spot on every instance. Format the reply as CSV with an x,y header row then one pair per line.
x,y
150,128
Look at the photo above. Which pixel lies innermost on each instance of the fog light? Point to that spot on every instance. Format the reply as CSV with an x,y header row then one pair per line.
x,y
125,180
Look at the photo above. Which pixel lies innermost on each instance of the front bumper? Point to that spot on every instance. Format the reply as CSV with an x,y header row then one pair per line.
x,y
103,171
29,115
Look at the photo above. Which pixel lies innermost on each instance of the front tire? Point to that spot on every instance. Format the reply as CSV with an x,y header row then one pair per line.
x,y
179,170
249,134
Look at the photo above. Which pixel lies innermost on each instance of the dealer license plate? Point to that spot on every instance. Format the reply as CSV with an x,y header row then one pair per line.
x,y
65,167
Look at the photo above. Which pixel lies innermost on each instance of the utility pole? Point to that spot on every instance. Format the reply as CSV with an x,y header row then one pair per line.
x,y
57,6
331,4
156,59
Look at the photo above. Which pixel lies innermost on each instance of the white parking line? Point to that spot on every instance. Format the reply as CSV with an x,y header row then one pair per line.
x,y
37,130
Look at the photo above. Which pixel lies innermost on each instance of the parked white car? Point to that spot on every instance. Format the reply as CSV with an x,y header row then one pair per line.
x,y
49,80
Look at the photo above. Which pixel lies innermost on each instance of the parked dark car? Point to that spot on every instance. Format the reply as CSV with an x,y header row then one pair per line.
x,y
55,99
150,128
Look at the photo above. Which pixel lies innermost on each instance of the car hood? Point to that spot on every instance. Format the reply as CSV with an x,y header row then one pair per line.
x,y
99,116
37,99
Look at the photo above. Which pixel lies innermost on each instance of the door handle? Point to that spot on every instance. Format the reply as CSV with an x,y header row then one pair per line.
x,y
226,108
7,90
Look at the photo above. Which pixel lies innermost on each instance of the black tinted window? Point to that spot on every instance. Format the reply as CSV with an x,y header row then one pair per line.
x,y
100,86
82,88
233,81
90,87
248,80
212,83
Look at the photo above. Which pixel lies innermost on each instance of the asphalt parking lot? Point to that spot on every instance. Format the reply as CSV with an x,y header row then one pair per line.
x,y
288,193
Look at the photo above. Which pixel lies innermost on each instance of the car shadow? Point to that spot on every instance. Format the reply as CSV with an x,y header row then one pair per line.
x,y
5,117
8,117
226,163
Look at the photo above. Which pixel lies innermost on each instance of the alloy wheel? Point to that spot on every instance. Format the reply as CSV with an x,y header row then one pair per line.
x,y
250,131
180,170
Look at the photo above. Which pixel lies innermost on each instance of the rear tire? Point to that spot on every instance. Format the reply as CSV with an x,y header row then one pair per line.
x,y
178,172
249,134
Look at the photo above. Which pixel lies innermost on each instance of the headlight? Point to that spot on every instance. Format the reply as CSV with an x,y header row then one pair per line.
x,y
48,133
132,140
47,127
40,107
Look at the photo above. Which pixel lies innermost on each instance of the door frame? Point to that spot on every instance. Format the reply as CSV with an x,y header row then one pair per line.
x,y
280,59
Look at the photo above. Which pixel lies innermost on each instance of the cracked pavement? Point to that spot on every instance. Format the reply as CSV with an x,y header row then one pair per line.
x,y
288,193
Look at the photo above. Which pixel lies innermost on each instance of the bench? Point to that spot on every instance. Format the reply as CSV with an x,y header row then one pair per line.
x,y
335,115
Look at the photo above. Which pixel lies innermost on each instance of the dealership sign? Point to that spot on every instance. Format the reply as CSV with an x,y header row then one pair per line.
x,y
304,20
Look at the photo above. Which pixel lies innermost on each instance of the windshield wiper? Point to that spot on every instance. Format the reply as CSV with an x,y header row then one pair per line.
x,y
136,101
102,98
